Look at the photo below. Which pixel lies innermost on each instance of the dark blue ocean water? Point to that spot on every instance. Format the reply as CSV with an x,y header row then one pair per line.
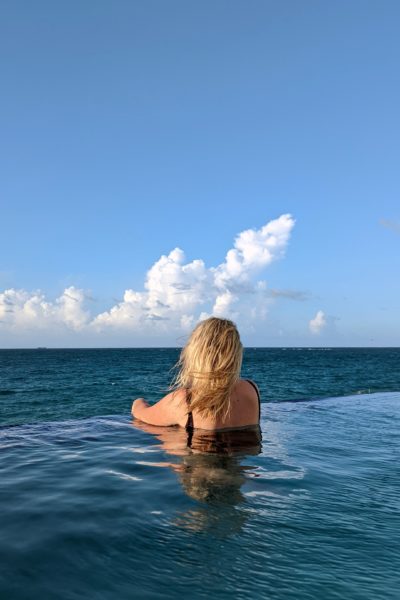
x,y
93,505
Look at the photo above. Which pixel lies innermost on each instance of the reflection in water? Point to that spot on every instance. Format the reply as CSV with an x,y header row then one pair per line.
x,y
210,471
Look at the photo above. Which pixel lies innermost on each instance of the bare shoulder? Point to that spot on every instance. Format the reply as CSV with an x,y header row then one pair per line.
x,y
243,386
177,398
167,411
245,399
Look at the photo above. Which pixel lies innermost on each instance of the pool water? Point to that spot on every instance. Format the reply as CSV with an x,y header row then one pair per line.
x,y
105,507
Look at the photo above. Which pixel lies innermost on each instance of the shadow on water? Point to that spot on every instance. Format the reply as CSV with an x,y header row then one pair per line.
x,y
209,469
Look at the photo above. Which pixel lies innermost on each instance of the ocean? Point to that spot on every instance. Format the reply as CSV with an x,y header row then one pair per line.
x,y
94,505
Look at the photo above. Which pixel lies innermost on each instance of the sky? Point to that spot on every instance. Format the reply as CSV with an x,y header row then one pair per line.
x,y
161,162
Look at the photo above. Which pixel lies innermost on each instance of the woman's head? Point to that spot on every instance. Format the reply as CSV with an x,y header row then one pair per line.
x,y
210,365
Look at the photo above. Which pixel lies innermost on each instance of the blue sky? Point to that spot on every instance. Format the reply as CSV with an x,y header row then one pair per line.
x,y
129,129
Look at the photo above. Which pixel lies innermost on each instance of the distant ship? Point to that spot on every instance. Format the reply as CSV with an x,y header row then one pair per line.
x,y
41,348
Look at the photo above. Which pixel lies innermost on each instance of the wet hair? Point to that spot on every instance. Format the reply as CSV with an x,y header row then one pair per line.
x,y
209,366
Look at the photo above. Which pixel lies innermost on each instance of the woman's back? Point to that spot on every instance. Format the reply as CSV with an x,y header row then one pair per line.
x,y
173,409
244,409
208,392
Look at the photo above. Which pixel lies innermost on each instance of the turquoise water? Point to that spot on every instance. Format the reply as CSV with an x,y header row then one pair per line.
x,y
93,505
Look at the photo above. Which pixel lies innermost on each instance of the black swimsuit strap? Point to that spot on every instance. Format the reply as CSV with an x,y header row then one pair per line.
x,y
258,396
189,423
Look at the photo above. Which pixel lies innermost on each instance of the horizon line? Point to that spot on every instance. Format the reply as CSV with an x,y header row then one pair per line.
x,y
180,347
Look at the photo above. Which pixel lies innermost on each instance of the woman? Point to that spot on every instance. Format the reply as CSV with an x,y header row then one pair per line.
x,y
209,393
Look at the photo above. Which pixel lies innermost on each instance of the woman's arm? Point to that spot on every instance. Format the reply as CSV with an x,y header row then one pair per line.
x,y
167,411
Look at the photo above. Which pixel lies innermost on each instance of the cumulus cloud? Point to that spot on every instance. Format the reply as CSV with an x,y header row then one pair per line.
x,y
318,323
253,250
173,291
176,293
183,290
20,309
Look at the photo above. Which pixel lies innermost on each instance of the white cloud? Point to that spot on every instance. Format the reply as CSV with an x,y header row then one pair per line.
x,y
318,323
222,304
173,291
20,309
69,308
176,293
253,250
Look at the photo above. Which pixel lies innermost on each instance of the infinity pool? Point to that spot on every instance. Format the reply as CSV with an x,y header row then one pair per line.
x,y
107,508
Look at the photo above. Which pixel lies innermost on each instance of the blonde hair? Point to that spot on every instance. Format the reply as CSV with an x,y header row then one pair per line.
x,y
209,366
